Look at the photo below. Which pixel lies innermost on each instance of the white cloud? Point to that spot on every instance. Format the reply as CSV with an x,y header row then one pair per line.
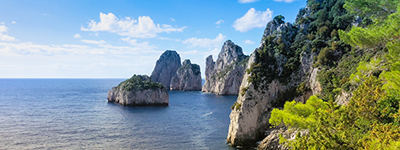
x,y
144,27
14,22
247,1
205,42
169,39
249,42
253,19
75,46
29,48
172,19
3,36
101,42
3,29
214,53
219,22
77,36
286,1
133,42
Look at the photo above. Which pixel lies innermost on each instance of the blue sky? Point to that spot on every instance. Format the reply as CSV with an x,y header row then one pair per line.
x,y
119,38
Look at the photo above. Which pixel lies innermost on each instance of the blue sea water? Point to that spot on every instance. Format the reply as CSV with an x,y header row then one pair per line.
x,y
75,114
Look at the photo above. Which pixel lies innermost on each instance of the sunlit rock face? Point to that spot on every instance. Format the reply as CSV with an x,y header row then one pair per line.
x,y
224,76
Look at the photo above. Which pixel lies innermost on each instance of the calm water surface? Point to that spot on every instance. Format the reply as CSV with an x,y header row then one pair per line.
x,y
75,114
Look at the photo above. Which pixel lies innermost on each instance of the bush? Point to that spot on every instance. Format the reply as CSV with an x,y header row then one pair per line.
x,y
140,82
236,106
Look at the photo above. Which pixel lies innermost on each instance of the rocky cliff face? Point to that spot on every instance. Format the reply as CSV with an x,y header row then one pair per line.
x,y
293,62
166,68
139,91
224,76
269,84
249,118
187,77
271,142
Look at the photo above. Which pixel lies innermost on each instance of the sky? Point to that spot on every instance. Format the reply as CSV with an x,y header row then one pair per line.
x,y
119,38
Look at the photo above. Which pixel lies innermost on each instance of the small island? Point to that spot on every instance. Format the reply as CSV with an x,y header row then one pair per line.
x,y
139,91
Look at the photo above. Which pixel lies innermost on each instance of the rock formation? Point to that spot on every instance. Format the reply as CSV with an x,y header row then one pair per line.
x,y
166,68
139,91
187,77
224,76
271,142
271,85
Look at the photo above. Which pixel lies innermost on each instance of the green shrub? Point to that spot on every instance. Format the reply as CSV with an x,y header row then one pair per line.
x,y
243,90
140,82
236,106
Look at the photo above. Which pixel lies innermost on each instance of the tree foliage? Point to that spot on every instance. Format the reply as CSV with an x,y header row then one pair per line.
x,y
358,125
371,120
140,82
377,10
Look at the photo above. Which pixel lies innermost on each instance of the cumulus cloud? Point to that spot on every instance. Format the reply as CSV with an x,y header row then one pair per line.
x,y
14,22
219,22
247,1
3,36
172,19
94,42
77,36
253,19
249,42
143,27
133,42
286,1
205,42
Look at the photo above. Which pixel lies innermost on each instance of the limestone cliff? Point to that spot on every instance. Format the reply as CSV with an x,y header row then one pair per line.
x,y
166,67
224,76
271,142
187,77
293,62
269,83
139,91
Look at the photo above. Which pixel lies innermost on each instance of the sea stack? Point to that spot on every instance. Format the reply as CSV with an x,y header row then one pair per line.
x,y
224,76
139,91
166,67
187,77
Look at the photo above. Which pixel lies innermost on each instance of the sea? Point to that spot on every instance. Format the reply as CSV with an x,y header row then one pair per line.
x,y
75,114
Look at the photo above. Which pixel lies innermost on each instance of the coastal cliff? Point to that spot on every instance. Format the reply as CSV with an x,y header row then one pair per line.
x,y
224,76
269,82
139,91
187,77
294,62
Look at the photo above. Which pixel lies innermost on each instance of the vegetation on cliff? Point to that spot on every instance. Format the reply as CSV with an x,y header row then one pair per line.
x,y
317,33
140,82
371,119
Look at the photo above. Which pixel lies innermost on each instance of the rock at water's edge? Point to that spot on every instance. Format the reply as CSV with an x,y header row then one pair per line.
x,y
250,115
139,91
166,67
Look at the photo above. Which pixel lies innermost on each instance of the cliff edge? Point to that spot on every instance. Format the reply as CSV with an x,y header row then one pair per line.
x,y
224,76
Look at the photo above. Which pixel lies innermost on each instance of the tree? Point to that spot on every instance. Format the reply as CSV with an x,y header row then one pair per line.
x,y
377,10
